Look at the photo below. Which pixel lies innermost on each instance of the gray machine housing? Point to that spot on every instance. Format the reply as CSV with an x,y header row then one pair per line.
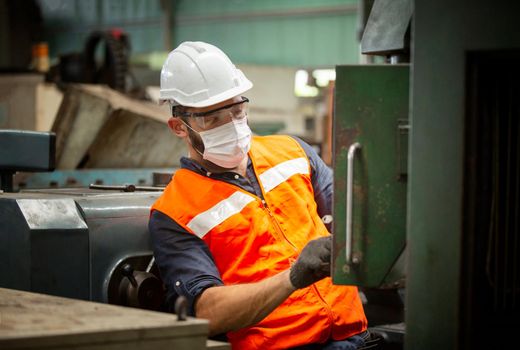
x,y
74,242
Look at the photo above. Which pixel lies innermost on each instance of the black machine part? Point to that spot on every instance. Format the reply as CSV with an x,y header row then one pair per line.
x,y
25,151
391,336
135,282
85,67
114,67
387,32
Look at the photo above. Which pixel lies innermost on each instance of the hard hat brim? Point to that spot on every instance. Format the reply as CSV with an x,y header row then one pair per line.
x,y
213,100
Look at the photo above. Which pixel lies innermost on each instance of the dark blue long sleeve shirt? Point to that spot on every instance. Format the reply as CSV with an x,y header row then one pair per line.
x,y
184,260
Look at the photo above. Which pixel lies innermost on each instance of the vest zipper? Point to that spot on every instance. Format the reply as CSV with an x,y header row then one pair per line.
x,y
313,286
278,229
328,309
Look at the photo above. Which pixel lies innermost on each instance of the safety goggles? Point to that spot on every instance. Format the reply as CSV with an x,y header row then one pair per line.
x,y
217,117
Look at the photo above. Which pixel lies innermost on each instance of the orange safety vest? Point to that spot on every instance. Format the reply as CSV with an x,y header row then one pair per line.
x,y
251,240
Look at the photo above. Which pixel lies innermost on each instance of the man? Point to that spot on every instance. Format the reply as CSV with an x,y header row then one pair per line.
x,y
238,230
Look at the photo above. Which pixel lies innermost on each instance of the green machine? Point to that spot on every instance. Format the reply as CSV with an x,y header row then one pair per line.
x,y
370,154
370,173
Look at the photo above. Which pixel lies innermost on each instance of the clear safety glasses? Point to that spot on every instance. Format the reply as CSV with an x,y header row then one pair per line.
x,y
220,116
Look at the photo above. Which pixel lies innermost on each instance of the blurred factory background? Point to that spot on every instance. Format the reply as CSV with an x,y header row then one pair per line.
x,y
413,103
287,48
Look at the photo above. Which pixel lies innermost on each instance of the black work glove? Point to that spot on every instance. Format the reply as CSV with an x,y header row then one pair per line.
x,y
313,264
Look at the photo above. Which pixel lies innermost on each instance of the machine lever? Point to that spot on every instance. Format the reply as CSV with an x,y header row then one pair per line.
x,y
126,188
128,271
350,183
150,264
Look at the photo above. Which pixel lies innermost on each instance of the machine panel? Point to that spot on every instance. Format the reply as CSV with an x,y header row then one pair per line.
x,y
80,243
370,171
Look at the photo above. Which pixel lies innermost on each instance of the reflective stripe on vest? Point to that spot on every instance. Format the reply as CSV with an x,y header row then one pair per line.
x,y
207,220
281,172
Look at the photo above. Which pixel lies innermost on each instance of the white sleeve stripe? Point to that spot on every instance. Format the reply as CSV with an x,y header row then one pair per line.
x,y
207,220
282,172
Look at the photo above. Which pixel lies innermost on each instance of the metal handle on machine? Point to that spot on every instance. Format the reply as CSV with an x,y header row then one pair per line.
x,y
350,184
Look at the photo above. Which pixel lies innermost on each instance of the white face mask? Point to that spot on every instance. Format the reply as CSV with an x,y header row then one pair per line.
x,y
228,144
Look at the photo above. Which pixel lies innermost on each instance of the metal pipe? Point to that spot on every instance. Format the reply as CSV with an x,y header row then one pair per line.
x,y
516,214
395,59
126,188
508,207
498,207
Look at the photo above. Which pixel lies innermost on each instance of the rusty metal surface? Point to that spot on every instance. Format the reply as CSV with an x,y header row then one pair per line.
x,y
371,103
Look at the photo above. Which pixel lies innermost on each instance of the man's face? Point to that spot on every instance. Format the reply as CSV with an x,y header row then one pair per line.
x,y
207,118
197,124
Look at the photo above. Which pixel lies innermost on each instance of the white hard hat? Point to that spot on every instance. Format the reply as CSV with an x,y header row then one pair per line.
x,y
197,74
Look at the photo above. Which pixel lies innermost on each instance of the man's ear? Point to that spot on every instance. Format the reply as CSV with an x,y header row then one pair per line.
x,y
178,127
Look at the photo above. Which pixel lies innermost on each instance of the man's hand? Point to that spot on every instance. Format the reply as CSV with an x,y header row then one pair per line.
x,y
313,264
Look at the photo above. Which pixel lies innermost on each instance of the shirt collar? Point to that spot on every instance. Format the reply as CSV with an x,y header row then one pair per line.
x,y
190,164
